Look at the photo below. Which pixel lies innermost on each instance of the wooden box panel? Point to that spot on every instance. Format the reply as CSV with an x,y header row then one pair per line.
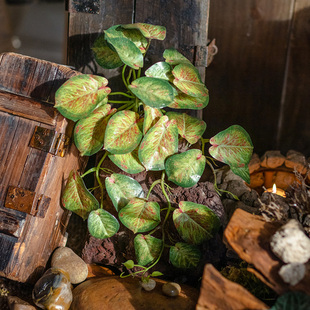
x,y
32,221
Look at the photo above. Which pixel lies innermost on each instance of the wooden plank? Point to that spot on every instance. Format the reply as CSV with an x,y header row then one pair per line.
x,y
246,77
7,244
294,128
11,222
27,108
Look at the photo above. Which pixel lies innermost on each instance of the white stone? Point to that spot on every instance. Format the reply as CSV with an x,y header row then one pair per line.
x,y
292,273
291,244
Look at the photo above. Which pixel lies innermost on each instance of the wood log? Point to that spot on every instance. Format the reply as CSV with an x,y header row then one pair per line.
x,y
249,235
218,293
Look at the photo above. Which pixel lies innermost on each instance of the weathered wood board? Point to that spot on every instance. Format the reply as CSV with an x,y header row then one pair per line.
x,y
32,222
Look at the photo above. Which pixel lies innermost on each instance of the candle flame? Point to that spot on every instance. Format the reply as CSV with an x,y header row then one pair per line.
x,y
274,188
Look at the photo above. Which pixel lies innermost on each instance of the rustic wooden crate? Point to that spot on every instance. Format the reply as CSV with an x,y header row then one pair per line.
x,y
32,173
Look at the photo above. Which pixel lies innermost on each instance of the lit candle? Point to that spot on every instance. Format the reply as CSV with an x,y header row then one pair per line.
x,y
275,190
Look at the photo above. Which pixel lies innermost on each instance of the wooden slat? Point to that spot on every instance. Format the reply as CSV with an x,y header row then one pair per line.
x,y
7,244
294,127
27,108
11,222
246,77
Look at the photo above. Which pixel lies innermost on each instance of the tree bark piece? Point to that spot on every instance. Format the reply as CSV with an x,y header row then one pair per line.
x,y
249,235
219,293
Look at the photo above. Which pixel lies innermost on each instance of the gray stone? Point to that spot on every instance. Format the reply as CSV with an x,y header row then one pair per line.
x,y
65,259
230,176
292,273
272,159
249,197
290,243
237,188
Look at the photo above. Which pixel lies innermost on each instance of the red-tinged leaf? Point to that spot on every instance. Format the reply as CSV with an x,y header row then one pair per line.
x,y
185,169
77,198
140,215
187,80
104,55
242,172
160,70
89,132
160,142
129,162
183,101
173,57
80,95
122,134
121,189
233,146
189,127
156,93
151,117
147,248
195,222
102,224
184,255
149,31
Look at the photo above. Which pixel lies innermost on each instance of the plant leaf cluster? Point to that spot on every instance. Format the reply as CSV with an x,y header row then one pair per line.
x,y
141,133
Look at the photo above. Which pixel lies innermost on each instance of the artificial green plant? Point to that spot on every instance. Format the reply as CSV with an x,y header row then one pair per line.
x,y
139,132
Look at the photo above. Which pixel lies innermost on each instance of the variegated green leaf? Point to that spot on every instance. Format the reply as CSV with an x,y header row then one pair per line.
x,y
160,70
151,117
242,172
104,55
160,142
195,222
233,146
102,224
189,127
122,134
173,57
129,162
156,93
89,132
140,215
80,95
185,169
77,198
187,79
128,44
183,101
148,30
184,255
121,189
147,248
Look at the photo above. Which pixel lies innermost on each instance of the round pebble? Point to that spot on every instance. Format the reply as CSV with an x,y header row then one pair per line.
x,y
171,289
149,285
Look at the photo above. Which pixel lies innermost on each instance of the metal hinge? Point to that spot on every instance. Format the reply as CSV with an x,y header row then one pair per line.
x,y
26,201
205,54
48,140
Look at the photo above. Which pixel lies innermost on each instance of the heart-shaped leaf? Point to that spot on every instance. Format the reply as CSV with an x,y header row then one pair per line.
x,y
149,31
121,189
89,132
147,248
184,255
160,70
80,95
77,198
242,172
102,224
160,142
140,215
195,222
187,79
122,134
156,93
173,57
151,117
183,101
189,127
185,169
233,146
104,55
127,44
129,162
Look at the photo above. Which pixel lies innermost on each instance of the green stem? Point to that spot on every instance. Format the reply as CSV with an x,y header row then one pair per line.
x,y
123,76
126,106
139,73
122,94
134,75
98,177
88,172
203,143
151,188
120,101
129,76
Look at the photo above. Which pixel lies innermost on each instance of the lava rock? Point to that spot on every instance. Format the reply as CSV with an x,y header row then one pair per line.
x,y
65,259
292,273
290,243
